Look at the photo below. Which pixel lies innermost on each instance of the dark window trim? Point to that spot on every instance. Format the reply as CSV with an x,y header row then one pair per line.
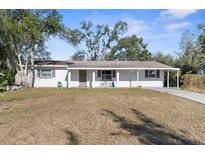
x,y
157,74
113,73
99,73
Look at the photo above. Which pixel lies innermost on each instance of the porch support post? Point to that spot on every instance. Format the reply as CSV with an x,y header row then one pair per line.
x,y
177,79
137,78
69,78
117,78
93,82
167,78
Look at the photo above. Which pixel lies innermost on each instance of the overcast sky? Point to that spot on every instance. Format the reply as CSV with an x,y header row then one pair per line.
x,y
161,29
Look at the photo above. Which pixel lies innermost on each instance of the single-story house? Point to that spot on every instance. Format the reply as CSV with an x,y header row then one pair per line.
x,y
202,70
102,74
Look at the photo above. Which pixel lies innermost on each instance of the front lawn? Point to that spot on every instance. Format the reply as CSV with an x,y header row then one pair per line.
x,y
99,116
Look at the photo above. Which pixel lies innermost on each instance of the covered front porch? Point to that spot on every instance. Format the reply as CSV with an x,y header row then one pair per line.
x,y
120,77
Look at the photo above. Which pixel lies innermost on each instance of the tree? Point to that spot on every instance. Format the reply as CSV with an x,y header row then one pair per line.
x,y
24,33
129,48
189,58
78,56
201,38
95,42
164,58
7,56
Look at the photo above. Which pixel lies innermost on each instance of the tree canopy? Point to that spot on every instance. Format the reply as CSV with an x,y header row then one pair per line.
x,y
164,58
23,34
129,48
95,42
201,38
191,54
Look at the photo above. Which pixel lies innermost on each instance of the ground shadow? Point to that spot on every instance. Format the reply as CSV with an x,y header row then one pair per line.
x,y
72,138
148,131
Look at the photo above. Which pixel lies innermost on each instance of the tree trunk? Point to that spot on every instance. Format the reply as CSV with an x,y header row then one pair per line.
x,y
32,68
23,78
23,74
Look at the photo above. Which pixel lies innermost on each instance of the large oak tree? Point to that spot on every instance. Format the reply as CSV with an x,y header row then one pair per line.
x,y
23,34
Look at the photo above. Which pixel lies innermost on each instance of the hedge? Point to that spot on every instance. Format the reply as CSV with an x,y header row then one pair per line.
x,y
193,80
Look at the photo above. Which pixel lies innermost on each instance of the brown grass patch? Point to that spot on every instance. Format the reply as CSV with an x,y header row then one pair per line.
x,y
195,89
99,116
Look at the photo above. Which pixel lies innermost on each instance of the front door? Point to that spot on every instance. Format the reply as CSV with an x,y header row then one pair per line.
x,y
83,78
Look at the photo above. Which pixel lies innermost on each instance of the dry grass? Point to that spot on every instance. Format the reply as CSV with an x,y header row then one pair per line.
x,y
194,82
195,89
99,116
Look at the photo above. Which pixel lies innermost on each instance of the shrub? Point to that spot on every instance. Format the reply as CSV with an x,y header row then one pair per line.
x,y
8,78
194,80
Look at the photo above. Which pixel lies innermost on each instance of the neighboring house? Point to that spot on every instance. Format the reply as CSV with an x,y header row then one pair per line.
x,y
102,74
202,70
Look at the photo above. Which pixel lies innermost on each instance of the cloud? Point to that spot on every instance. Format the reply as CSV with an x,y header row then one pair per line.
x,y
174,26
135,26
176,14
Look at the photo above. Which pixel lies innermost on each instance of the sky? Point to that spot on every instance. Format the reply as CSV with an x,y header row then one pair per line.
x,y
160,29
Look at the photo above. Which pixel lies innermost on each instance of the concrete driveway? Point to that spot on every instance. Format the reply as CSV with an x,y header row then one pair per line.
x,y
181,93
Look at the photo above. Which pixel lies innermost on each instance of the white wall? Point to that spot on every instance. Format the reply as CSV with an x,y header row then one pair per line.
x,y
60,76
151,82
127,78
74,78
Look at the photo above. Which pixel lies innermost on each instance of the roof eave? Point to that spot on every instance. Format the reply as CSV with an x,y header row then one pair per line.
x,y
117,68
51,66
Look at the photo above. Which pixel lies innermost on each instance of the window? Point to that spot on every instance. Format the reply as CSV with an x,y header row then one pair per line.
x,y
107,75
46,74
152,73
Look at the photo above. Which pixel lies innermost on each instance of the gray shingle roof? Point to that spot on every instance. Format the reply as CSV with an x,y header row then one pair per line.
x,y
51,62
103,64
118,64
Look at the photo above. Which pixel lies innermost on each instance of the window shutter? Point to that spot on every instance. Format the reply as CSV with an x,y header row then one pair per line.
x,y
53,73
99,73
114,74
38,73
146,73
158,73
